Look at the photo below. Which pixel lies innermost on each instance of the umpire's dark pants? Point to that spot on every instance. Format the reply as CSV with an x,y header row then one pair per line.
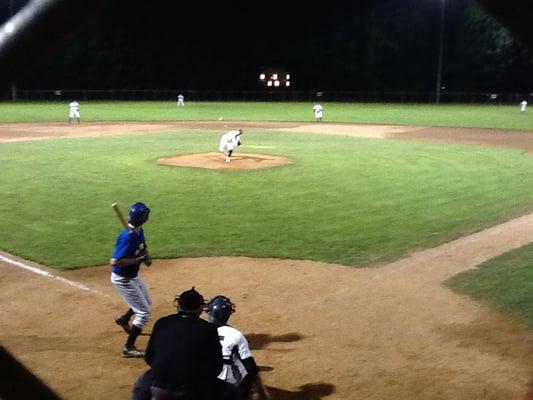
x,y
146,388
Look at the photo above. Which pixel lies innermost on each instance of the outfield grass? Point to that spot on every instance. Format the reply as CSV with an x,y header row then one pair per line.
x,y
462,115
344,200
505,282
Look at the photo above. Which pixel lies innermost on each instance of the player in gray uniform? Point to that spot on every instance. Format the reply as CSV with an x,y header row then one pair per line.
x,y
130,251
239,367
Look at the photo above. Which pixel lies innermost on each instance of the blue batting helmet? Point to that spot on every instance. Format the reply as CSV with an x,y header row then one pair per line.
x,y
220,309
138,214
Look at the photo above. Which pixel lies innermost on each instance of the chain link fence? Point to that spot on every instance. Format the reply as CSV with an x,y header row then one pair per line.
x,y
263,95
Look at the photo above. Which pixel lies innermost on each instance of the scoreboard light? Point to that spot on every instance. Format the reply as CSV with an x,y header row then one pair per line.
x,y
274,78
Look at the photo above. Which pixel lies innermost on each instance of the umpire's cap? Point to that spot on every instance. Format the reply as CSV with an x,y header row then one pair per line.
x,y
190,301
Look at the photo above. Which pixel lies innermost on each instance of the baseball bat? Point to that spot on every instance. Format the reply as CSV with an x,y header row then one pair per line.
x,y
120,215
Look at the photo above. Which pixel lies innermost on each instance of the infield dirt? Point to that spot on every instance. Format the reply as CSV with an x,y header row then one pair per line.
x,y
317,330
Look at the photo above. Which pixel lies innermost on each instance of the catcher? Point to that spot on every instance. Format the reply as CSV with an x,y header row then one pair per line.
x,y
229,141
239,367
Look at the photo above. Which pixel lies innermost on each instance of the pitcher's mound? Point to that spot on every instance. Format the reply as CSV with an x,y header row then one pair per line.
x,y
218,161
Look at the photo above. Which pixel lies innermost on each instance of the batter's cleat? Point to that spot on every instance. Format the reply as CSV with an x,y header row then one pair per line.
x,y
124,325
132,352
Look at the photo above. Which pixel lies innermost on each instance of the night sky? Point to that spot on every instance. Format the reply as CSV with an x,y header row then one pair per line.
x,y
384,45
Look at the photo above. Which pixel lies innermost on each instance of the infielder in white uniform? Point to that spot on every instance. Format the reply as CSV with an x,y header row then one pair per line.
x,y
239,367
318,112
229,142
74,111
523,106
181,100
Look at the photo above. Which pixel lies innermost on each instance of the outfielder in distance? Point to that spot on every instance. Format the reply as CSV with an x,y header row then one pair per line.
x,y
130,251
74,111
229,142
317,108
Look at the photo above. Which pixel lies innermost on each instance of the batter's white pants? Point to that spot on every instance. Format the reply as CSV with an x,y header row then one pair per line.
x,y
135,294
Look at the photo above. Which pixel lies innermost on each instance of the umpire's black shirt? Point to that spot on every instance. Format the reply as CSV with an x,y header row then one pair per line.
x,y
184,349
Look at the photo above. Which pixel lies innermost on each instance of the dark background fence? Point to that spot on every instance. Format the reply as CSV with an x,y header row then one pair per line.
x,y
285,95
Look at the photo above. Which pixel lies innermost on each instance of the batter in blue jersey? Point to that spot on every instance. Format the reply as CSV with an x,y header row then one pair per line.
x,y
130,252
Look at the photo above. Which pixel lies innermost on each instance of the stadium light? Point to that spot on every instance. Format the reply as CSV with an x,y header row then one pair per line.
x,y
262,77
275,76
269,83
276,83
441,45
10,26
287,83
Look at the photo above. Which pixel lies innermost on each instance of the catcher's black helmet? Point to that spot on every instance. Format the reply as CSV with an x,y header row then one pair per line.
x,y
220,309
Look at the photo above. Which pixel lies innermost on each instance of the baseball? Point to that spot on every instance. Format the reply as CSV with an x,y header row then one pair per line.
x,y
220,119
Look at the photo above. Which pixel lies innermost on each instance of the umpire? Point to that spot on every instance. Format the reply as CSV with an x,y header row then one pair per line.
x,y
184,354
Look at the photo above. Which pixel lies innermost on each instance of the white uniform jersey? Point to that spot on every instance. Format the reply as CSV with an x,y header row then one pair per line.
x,y
181,101
318,110
234,349
74,109
523,106
74,106
229,141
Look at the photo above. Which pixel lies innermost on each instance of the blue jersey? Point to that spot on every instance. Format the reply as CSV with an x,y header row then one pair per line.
x,y
130,244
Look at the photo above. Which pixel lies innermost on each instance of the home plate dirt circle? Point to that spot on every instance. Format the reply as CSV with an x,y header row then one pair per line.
x,y
218,161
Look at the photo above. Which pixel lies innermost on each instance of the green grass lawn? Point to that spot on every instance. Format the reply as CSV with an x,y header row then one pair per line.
x,y
344,200
505,282
482,116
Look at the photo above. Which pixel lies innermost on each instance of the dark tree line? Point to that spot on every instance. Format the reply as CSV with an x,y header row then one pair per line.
x,y
388,45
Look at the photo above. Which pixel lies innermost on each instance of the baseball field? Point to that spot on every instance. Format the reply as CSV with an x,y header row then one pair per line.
x,y
382,253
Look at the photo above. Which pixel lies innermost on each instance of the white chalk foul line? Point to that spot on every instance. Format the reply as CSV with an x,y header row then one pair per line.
x,y
38,271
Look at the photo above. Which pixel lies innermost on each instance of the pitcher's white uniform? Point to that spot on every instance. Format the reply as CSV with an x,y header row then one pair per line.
x,y
181,101
234,349
523,106
74,109
230,141
318,112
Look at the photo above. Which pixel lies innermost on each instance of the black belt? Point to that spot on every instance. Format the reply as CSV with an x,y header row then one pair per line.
x,y
172,387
